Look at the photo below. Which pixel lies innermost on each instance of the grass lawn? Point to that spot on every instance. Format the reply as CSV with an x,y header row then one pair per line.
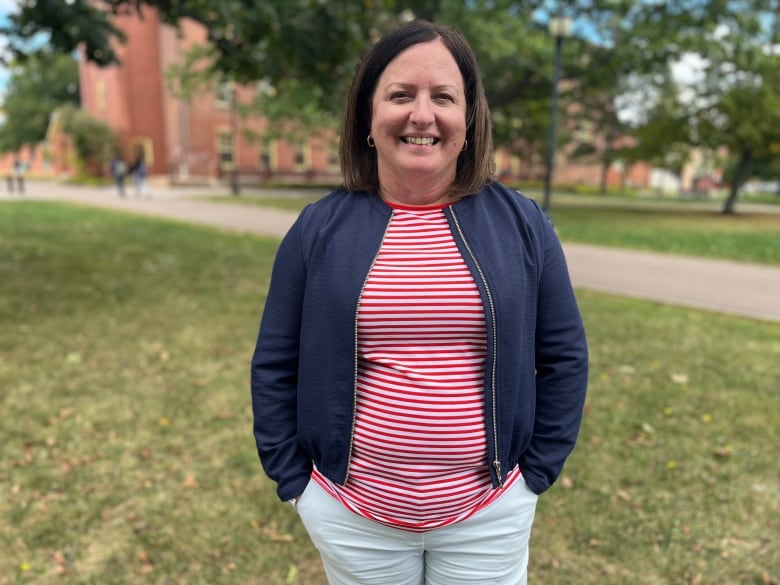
x,y
748,237
126,454
676,227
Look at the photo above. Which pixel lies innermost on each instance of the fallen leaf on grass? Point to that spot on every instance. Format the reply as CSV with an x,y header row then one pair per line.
x,y
60,563
723,452
146,562
191,482
272,533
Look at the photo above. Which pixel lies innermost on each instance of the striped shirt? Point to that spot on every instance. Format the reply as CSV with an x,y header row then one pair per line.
x,y
419,456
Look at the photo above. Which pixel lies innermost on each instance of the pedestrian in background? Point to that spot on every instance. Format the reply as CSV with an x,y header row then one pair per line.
x,y
19,169
119,172
138,172
421,366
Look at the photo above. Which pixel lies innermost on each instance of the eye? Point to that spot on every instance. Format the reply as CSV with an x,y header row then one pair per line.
x,y
444,97
398,96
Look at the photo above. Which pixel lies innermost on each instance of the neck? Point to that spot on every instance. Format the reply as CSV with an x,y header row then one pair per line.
x,y
418,194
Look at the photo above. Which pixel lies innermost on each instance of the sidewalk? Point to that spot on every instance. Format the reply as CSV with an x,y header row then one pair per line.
x,y
747,290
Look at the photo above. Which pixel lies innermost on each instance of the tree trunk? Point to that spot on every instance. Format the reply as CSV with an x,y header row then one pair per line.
x,y
605,164
741,173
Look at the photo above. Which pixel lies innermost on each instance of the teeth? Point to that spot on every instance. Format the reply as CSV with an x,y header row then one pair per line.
x,y
419,140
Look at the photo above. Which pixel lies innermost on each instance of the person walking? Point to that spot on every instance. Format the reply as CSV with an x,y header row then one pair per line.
x,y
421,364
119,172
138,173
19,169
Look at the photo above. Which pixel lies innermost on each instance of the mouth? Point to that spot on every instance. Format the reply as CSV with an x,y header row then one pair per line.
x,y
420,140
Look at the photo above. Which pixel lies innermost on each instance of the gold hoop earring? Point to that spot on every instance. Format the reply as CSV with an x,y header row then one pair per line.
x,y
465,146
370,141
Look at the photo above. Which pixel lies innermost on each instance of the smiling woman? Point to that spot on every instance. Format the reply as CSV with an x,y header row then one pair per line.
x,y
419,125
413,391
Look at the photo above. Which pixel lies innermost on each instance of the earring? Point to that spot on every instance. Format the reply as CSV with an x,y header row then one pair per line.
x,y
465,146
370,141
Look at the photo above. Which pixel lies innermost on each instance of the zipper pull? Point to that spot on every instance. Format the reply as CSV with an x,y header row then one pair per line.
x,y
497,466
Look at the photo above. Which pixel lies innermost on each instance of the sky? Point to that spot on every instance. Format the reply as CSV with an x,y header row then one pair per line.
x,y
6,6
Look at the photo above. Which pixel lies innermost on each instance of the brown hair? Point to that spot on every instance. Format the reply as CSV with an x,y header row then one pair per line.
x,y
358,161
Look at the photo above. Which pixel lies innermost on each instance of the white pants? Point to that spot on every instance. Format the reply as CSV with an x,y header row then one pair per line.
x,y
491,547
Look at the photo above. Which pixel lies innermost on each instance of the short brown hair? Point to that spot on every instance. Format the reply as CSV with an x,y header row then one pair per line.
x,y
358,161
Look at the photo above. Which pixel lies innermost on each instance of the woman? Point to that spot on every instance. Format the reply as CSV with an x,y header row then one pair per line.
x,y
421,366
138,172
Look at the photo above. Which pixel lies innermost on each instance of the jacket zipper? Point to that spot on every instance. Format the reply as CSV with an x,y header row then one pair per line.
x,y
493,364
355,350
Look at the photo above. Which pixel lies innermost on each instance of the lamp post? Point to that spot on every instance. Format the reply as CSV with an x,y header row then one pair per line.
x,y
560,28
234,187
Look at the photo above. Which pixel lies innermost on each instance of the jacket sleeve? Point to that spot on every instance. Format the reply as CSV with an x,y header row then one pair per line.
x,y
274,372
561,368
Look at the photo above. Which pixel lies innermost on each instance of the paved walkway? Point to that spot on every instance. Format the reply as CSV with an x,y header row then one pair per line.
x,y
747,290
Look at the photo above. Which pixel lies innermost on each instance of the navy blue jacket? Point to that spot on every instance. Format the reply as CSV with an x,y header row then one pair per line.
x,y
305,362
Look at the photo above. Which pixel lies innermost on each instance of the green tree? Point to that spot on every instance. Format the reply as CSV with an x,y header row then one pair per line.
x,y
743,114
747,121
37,85
664,137
733,101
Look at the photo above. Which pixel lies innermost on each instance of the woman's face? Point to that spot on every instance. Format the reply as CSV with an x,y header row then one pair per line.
x,y
418,120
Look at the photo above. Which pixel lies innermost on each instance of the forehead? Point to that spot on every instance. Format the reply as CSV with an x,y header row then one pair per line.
x,y
431,60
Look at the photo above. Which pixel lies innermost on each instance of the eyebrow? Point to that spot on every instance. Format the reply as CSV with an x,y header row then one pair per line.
x,y
440,87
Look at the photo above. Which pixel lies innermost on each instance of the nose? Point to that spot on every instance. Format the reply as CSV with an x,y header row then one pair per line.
x,y
422,113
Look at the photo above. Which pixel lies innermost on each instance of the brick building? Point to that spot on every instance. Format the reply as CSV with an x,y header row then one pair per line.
x,y
195,140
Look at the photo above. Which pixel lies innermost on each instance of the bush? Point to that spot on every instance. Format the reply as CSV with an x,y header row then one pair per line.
x,y
95,141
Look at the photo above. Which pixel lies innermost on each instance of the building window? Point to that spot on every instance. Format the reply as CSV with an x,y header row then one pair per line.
x,y
225,151
142,145
333,158
100,95
515,165
302,157
265,155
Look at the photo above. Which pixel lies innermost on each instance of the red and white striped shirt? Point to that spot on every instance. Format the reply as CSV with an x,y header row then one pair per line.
x,y
419,456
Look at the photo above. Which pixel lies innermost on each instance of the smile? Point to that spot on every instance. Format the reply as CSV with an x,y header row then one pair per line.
x,y
420,140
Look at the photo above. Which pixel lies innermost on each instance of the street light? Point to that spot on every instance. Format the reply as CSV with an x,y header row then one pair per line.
x,y
559,28
234,187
